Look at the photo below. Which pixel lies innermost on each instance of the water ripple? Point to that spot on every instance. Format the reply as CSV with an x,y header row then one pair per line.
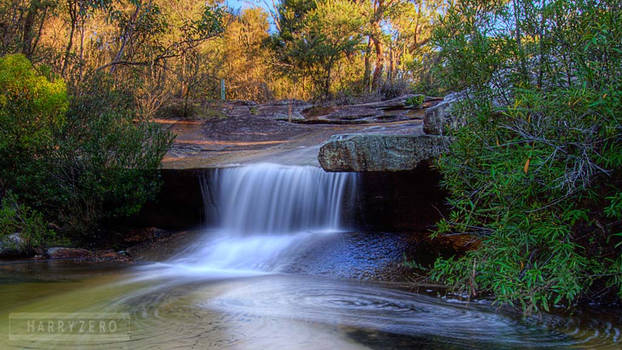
x,y
399,312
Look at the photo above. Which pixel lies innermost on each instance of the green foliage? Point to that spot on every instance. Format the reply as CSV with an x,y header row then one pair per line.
x,y
105,165
32,111
27,223
415,101
208,25
328,30
412,264
535,173
78,162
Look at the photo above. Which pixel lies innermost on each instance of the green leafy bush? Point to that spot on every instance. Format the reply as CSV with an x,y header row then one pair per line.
x,y
106,163
32,111
415,101
536,172
78,161
27,224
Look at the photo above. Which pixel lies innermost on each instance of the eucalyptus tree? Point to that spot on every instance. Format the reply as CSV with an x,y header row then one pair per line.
x,y
315,35
78,11
22,23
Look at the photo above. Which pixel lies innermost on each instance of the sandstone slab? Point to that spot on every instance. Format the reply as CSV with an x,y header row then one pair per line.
x,y
379,152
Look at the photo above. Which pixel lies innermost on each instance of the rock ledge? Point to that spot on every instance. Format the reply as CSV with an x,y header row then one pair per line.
x,y
379,152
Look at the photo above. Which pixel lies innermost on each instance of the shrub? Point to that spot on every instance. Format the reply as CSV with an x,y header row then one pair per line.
x,y
415,101
395,88
536,171
16,218
32,111
179,109
106,163
79,162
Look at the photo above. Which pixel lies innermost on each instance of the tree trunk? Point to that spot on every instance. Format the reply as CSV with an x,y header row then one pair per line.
x,y
184,85
39,31
377,40
391,64
367,75
377,78
73,15
27,31
518,37
327,81
81,52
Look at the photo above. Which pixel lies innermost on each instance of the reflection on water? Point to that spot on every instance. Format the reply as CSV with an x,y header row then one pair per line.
x,y
280,311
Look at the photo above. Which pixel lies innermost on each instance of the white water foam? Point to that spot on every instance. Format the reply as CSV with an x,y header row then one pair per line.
x,y
264,215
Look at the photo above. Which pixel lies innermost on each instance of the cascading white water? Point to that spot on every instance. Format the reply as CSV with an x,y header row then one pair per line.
x,y
265,215
276,199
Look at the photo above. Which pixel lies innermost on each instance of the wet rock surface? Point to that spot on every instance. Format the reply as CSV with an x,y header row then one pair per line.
x,y
392,150
405,201
354,255
11,247
80,254
386,201
163,248
179,204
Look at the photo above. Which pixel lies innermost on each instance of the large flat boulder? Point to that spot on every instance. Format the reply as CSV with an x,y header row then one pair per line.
x,y
379,152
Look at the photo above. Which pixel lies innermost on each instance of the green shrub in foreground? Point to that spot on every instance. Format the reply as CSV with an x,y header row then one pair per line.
x,y
80,161
27,224
32,111
536,173
106,164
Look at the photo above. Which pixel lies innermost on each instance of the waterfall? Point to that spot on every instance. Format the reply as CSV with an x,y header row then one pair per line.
x,y
263,216
276,199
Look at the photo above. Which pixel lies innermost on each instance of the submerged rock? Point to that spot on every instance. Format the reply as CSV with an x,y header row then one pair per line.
x,y
110,255
379,152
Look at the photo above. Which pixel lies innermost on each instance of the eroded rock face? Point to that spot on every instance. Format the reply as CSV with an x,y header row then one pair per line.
x,y
379,152
440,118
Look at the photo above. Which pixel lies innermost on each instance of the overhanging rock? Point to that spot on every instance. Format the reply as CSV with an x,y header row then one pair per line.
x,y
379,152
